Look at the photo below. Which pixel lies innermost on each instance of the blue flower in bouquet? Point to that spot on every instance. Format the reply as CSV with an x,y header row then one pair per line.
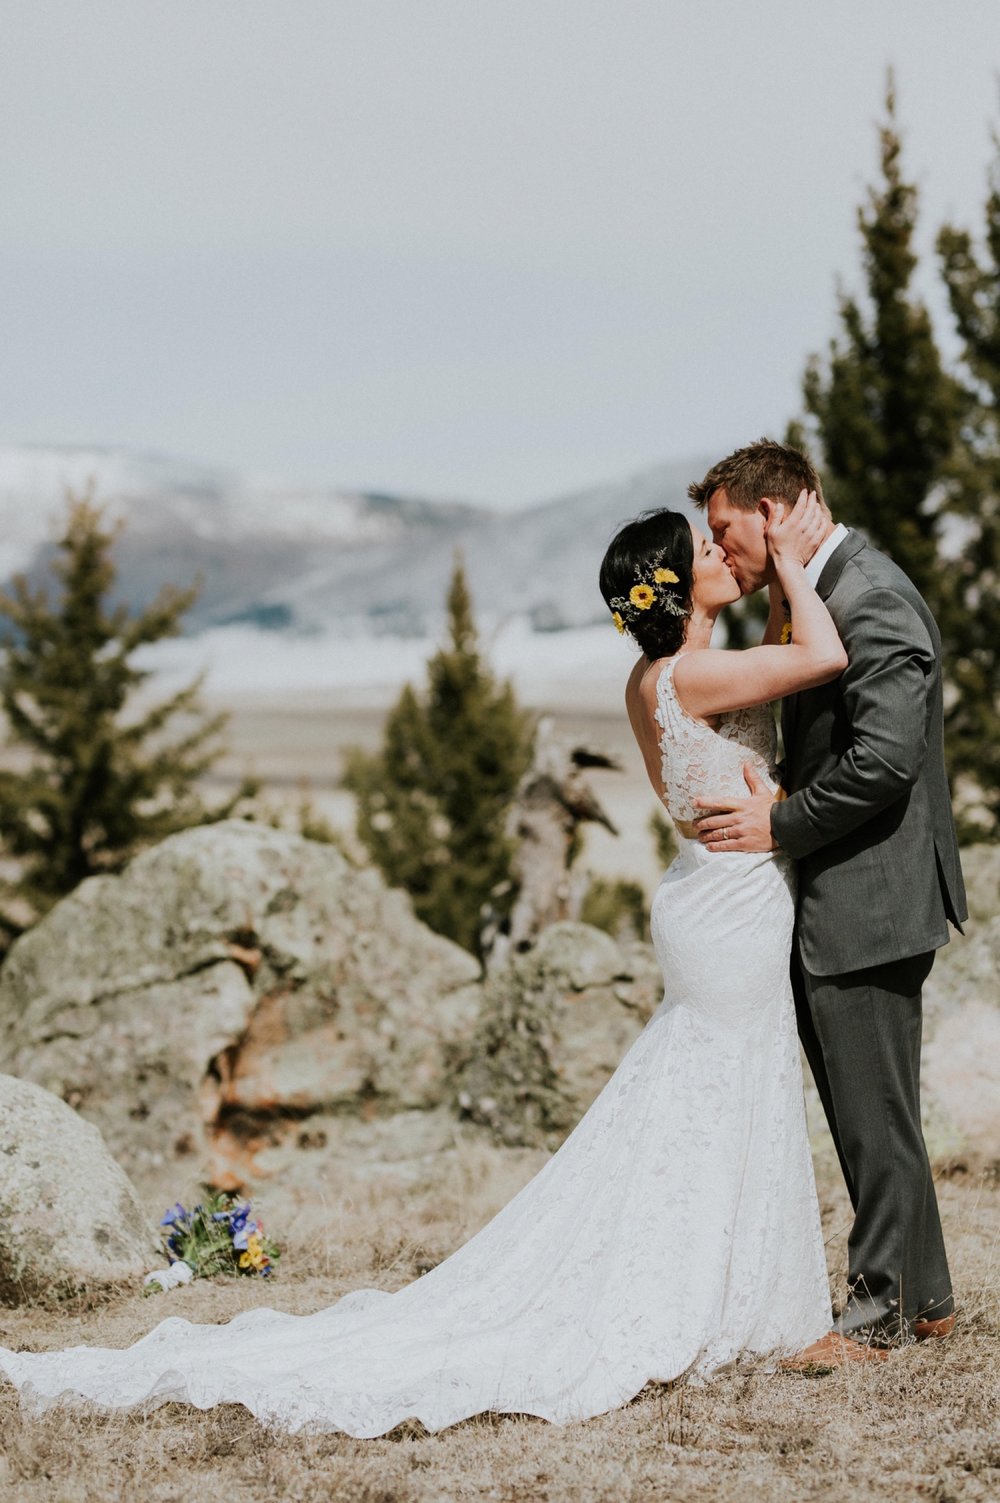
x,y
236,1218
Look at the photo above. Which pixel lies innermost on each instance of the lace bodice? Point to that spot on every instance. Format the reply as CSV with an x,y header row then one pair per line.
x,y
697,760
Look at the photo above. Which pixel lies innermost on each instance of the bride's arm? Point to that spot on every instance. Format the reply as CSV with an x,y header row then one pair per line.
x,y
709,681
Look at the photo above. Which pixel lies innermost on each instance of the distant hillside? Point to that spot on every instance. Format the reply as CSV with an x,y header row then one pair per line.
x,y
301,559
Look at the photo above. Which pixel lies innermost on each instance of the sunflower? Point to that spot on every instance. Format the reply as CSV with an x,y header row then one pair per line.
x,y
619,623
642,596
666,576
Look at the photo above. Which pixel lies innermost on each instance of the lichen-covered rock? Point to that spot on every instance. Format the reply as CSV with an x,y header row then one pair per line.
x,y
960,1063
230,983
69,1217
223,1007
554,1025
961,1059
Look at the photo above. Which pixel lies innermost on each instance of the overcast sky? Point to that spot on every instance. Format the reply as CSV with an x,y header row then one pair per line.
x,y
495,249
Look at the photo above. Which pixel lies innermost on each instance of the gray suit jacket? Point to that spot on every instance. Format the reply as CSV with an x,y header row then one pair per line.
x,y
868,815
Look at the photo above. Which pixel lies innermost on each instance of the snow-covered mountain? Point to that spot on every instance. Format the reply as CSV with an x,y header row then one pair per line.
x,y
255,543
321,560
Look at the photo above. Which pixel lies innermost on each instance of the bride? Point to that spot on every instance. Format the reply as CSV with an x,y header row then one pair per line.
x,y
676,1229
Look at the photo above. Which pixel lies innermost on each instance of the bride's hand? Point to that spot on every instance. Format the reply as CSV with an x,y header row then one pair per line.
x,y
796,534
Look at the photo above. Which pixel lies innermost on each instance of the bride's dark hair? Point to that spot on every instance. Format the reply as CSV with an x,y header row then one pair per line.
x,y
654,544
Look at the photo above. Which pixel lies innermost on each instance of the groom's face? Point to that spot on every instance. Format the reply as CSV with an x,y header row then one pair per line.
x,y
740,534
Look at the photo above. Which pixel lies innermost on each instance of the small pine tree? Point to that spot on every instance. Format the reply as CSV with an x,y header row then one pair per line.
x,y
431,803
618,906
884,410
971,581
98,783
664,837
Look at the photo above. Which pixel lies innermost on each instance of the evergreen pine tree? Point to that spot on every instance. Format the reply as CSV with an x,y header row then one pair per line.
x,y
972,579
884,410
431,803
95,782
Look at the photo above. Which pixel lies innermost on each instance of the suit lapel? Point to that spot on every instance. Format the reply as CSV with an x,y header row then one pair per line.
x,y
834,566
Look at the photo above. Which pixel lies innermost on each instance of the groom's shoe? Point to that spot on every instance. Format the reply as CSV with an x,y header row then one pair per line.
x,y
933,1330
832,1351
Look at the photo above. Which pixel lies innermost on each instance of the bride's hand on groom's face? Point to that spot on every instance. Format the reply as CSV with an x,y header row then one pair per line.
x,y
793,534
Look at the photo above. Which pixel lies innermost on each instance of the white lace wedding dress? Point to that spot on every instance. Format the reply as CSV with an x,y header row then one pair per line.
x,y
674,1231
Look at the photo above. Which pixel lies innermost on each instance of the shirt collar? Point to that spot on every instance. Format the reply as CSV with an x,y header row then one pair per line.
x,y
814,567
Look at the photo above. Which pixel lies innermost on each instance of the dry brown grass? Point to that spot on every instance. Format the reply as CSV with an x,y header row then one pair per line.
x,y
924,1425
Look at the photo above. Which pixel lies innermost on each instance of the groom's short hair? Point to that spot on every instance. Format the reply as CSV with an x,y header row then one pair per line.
x,y
765,468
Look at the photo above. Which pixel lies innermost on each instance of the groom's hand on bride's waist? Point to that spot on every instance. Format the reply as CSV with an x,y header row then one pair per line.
x,y
740,824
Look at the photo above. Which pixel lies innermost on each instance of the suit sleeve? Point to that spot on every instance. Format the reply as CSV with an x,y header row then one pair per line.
x,y
885,689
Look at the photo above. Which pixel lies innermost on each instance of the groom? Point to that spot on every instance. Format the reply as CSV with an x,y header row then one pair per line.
x,y
868,818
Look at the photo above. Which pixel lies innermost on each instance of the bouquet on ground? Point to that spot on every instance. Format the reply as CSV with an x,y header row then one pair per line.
x,y
217,1236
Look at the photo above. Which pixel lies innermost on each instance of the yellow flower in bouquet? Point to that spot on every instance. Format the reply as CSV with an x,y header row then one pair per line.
x,y
666,576
642,595
619,623
255,1256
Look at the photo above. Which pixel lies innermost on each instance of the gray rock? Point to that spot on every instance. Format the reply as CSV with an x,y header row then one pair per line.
x,y
960,1064
240,1004
230,983
961,1059
404,1146
69,1216
554,1025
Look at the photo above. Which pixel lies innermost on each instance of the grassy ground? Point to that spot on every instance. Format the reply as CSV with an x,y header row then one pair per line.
x,y
926,1424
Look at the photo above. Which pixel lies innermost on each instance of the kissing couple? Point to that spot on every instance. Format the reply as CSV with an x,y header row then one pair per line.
x,y
676,1231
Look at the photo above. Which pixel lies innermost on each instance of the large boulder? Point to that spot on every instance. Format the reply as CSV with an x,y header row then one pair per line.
x,y
231,984
69,1216
240,1002
961,1062
555,1022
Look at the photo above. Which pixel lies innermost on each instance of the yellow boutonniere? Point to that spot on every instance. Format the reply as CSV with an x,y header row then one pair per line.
x,y
666,576
642,595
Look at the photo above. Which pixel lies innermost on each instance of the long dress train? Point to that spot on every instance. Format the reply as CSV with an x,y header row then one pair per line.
x,y
674,1231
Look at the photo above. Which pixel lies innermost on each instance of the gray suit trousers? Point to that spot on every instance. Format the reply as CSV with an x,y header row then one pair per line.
x,y
861,1034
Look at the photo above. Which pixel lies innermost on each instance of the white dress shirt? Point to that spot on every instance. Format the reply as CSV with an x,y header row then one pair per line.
x,y
814,567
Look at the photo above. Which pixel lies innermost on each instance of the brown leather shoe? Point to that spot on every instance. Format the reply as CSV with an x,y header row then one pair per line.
x,y
933,1330
832,1351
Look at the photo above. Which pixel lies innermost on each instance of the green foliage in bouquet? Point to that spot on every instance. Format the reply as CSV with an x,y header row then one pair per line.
x,y
218,1236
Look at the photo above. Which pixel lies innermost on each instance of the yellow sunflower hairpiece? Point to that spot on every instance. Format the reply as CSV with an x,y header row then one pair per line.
x,y
643,595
